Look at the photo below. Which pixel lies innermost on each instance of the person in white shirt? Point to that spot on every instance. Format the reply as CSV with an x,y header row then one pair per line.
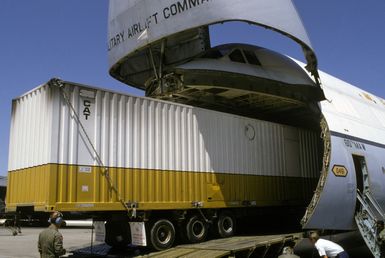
x,y
326,248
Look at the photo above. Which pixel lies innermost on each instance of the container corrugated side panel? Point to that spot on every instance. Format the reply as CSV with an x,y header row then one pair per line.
x,y
309,154
32,186
31,127
135,132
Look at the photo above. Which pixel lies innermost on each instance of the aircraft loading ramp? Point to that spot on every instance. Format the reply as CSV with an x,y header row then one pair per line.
x,y
240,246
264,246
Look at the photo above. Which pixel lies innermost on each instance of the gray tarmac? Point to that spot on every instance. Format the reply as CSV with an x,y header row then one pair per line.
x,y
25,244
77,241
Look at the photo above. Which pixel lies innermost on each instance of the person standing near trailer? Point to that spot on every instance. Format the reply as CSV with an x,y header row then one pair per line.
x,y
50,243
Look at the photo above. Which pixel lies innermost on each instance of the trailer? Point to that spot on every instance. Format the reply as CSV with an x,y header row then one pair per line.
x,y
154,170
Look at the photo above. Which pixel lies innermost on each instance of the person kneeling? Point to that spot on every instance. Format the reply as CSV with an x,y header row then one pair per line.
x,y
326,248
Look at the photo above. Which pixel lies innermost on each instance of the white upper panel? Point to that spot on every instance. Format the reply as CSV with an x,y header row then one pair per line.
x,y
136,132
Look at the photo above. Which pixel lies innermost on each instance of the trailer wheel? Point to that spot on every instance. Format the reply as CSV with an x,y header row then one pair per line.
x,y
196,229
225,224
162,234
118,234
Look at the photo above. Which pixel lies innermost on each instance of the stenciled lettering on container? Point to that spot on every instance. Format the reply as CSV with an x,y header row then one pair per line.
x,y
86,110
178,7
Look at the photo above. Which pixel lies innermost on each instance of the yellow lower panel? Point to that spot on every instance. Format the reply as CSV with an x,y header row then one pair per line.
x,y
82,188
32,186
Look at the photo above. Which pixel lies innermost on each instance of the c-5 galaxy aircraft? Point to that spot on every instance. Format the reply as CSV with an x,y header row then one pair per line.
x,y
164,49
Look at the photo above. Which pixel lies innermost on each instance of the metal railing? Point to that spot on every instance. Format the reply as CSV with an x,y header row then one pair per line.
x,y
366,218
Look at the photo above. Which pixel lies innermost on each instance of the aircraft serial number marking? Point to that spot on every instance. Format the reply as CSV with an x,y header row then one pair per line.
x,y
354,144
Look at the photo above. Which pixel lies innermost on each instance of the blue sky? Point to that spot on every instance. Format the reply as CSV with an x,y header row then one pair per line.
x,y
42,39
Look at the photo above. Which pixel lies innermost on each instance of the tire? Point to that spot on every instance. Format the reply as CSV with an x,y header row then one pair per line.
x,y
225,224
118,234
196,229
162,234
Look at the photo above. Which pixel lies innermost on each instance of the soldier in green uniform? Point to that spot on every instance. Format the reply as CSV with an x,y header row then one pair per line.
x,y
50,242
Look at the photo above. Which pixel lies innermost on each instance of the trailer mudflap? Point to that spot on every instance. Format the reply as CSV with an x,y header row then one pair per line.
x,y
138,233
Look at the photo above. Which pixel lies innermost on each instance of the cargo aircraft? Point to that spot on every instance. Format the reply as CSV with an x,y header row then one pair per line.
x,y
256,82
227,130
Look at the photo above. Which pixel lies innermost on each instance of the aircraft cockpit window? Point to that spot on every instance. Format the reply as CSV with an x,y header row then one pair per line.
x,y
251,57
213,54
236,56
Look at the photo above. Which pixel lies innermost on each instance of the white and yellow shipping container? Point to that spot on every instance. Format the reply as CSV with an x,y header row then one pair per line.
x,y
159,155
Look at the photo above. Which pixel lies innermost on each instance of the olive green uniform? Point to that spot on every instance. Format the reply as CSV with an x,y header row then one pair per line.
x,y
50,243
